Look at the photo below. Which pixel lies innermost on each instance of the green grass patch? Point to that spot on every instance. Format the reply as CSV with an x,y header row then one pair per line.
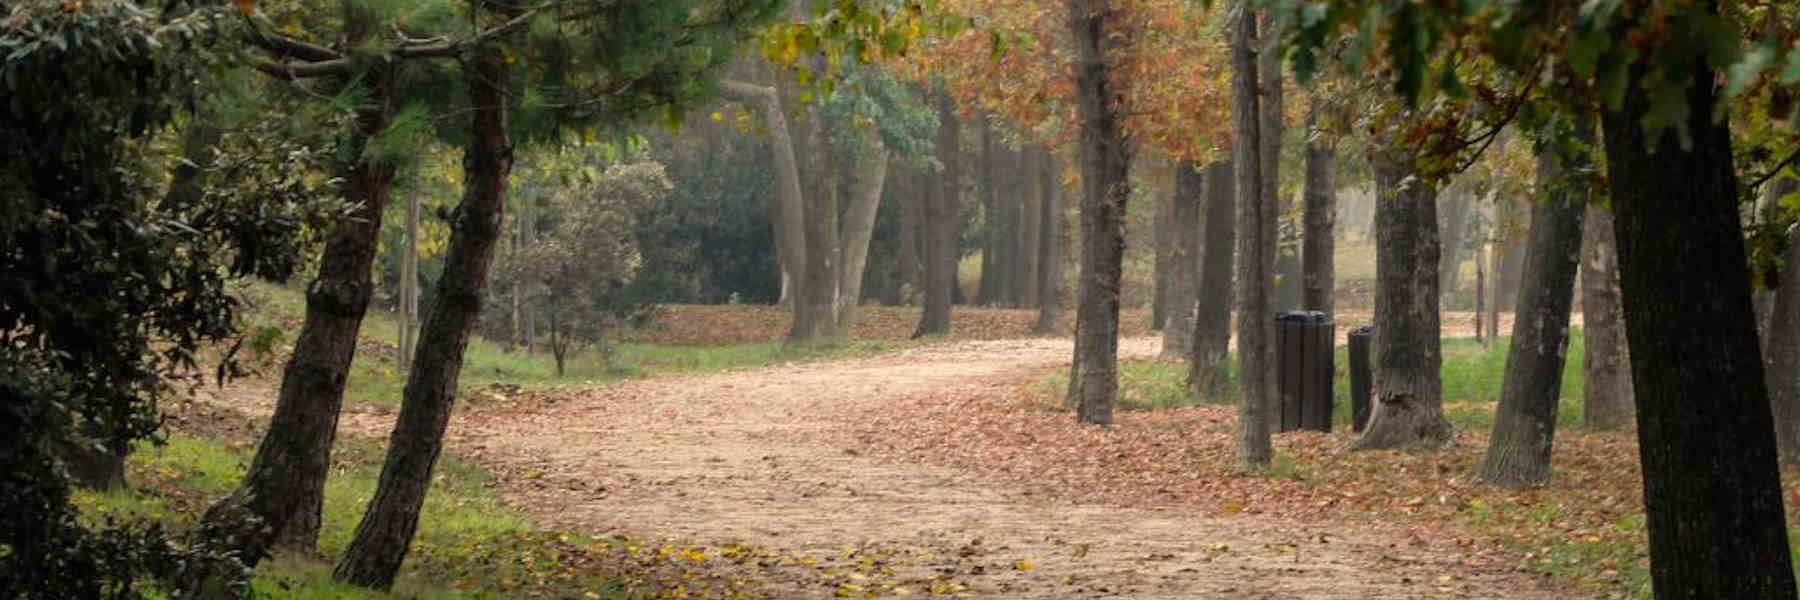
x,y
469,544
1143,385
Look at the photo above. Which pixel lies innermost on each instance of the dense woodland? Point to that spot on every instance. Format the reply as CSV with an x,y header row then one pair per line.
x,y
560,182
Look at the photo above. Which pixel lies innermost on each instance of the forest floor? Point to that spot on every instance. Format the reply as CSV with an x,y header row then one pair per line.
x,y
940,469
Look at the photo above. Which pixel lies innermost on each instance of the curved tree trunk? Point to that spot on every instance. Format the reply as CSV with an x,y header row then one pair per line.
x,y
786,209
1408,407
1781,355
1712,489
1209,373
1606,396
1184,257
386,531
1052,239
1106,187
1318,258
1525,423
859,227
284,489
941,225
1255,253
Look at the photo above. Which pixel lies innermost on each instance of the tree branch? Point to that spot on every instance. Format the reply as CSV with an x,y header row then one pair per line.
x,y
448,48
1776,170
286,71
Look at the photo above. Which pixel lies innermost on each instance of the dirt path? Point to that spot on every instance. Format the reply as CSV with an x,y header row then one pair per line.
x,y
761,462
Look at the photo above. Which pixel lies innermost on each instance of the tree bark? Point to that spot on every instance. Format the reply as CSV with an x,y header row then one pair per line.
x,y
1255,252
527,317
386,531
941,225
1106,188
1607,399
1781,353
1209,373
822,250
1184,257
1712,490
1163,233
1318,266
1409,406
859,228
1052,239
1456,224
1518,453
913,198
283,492
409,306
1287,256
1030,225
988,288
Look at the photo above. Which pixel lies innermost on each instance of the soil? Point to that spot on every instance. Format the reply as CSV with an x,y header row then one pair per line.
x,y
787,464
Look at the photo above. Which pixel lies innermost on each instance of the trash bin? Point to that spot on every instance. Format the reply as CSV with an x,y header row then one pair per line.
x,y
1304,370
1359,376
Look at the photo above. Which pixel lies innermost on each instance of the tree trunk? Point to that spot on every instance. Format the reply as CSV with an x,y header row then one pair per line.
x,y
283,492
1255,252
1409,405
1184,257
1456,225
1318,266
1106,188
1511,266
913,199
1496,256
859,228
1270,109
1163,234
987,290
786,208
527,316
1518,453
822,251
1209,372
1480,295
1011,209
941,225
1052,239
1782,354
1030,225
409,285
1712,490
386,531
1607,399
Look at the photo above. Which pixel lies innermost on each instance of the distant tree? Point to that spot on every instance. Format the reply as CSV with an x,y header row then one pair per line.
x,y
1606,391
577,275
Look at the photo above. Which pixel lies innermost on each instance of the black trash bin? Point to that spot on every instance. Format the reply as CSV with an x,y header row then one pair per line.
x,y
1304,369
1359,376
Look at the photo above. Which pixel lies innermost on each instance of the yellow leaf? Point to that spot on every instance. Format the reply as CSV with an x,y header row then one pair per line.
x,y
1024,565
717,117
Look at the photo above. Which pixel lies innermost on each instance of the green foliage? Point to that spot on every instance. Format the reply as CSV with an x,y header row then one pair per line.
x,y
109,293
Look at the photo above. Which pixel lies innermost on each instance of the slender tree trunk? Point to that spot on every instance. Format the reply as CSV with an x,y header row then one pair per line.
x,y
1712,490
1011,209
1030,225
409,285
284,489
987,288
1106,188
786,209
1209,372
386,531
1781,354
1480,294
1163,233
941,225
1456,224
1607,399
1496,256
1270,108
1409,406
1184,258
913,197
1255,252
859,228
1318,266
1052,239
527,316
1518,453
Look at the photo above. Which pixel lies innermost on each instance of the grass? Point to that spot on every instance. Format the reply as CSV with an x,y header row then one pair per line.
x,y
375,378
469,544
